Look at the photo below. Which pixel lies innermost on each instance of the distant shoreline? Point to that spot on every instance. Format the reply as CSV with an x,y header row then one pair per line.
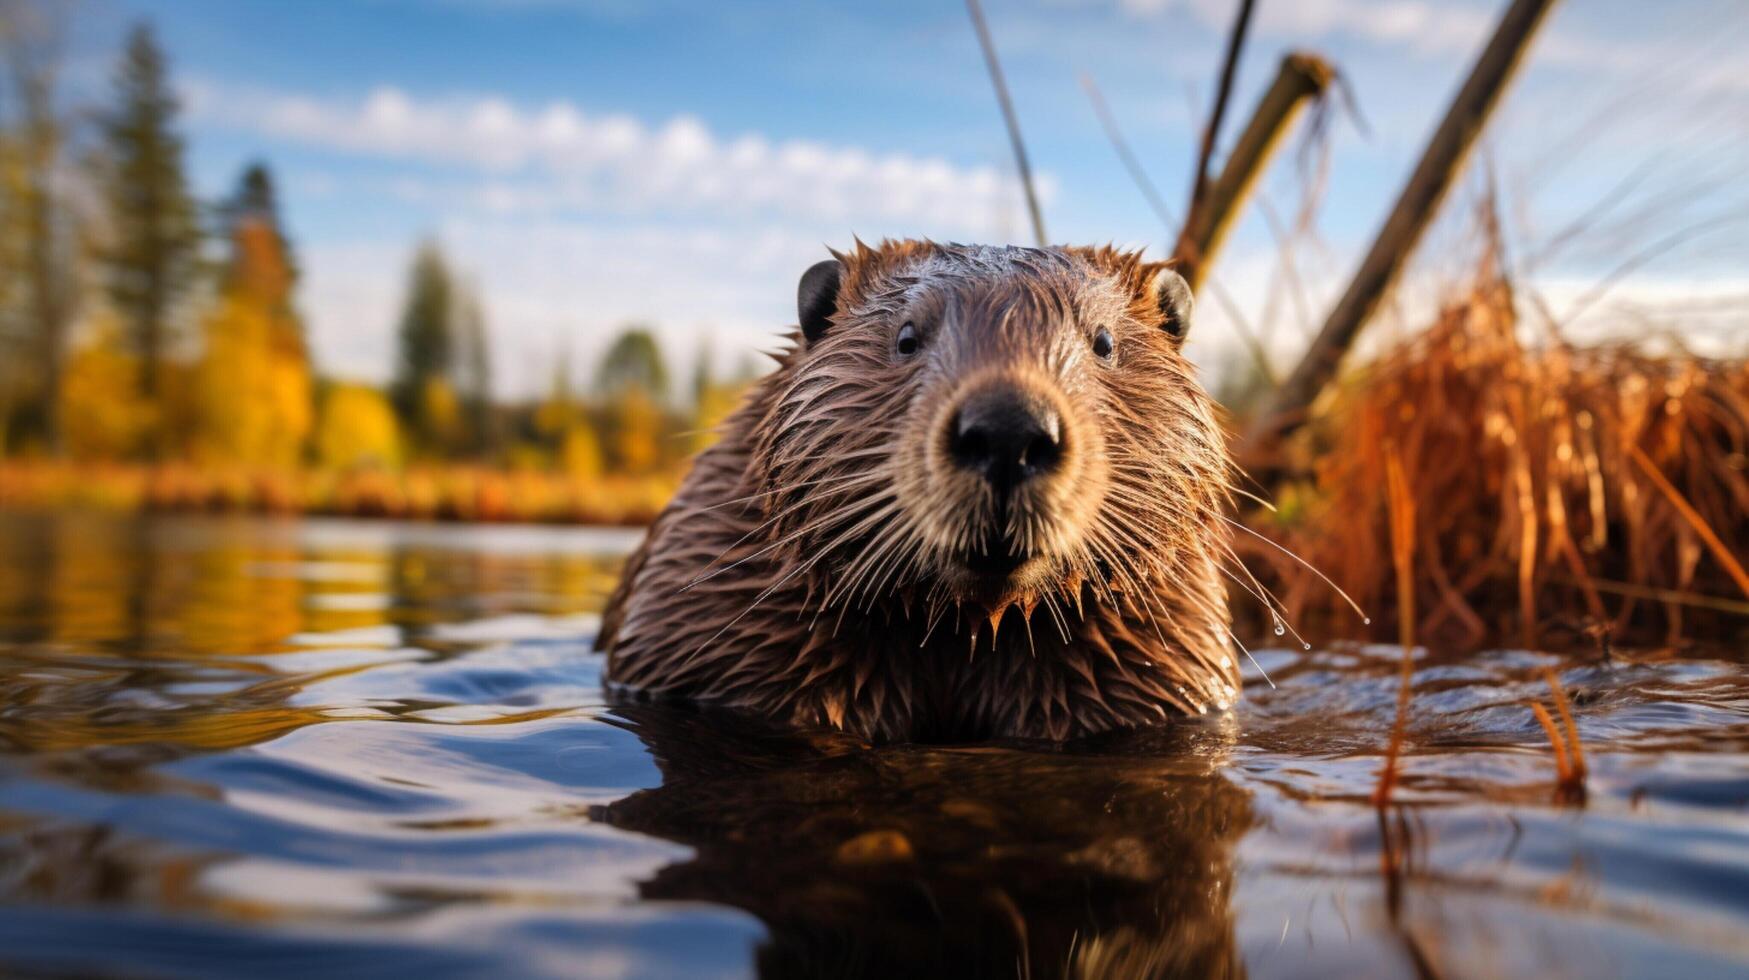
x,y
447,494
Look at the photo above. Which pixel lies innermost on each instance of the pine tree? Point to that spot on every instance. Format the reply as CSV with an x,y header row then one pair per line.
x,y
422,390
703,378
631,386
150,259
256,199
633,364
473,370
39,232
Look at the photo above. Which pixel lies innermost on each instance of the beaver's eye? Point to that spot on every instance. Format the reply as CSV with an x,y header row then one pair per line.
x,y
1102,343
907,343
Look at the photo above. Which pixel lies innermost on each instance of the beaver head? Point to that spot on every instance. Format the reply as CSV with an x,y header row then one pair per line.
x,y
990,426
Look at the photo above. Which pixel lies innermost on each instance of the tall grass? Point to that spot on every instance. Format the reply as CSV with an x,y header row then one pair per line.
x,y
1560,490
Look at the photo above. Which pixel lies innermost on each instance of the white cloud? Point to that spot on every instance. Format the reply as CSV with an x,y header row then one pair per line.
x,y
1420,25
558,156
1437,27
574,223
348,295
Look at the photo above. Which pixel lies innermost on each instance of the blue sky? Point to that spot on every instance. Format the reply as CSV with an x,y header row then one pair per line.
x,y
594,162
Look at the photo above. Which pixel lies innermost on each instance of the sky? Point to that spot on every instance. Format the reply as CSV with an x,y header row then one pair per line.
x,y
594,163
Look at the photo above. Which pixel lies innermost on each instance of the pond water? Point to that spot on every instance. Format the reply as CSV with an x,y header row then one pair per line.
x,y
242,747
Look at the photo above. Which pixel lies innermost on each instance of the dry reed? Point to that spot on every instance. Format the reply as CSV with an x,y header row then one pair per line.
x,y
1402,514
1569,751
1559,488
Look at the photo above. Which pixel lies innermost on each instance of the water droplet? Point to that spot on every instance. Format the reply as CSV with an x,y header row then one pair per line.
x,y
1280,629
1226,663
1366,621
1308,646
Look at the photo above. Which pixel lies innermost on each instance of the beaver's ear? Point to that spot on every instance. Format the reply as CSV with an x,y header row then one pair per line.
x,y
817,297
1171,296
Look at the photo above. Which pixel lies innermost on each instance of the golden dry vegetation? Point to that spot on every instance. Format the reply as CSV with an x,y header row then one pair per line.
x,y
1558,491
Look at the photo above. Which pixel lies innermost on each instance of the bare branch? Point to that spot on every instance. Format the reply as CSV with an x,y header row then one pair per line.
x,y
1415,207
1008,117
1199,180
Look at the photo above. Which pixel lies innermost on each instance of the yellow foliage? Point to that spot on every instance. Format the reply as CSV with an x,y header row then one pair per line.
x,y
715,402
258,266
442,412
525,457
555,416
635,432
357,429
177,412
102,411
252,390
580,451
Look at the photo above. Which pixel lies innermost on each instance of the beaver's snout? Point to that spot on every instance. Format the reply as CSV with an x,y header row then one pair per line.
x,y
1005,435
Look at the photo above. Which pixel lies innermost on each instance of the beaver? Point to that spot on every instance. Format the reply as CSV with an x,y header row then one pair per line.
x,y
982,495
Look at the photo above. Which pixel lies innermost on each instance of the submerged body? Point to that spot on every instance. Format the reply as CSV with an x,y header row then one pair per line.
x,y
982,495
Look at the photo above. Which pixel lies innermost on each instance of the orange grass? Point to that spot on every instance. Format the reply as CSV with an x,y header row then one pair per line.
x,y
1559,487
1576,751
1694,519
1569,752
1403,558
1563,770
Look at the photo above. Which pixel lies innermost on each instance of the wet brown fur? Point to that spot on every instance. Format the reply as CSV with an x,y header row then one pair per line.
x,y
808,569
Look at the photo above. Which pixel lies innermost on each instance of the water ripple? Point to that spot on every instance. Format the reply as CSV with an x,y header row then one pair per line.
x,y
267,748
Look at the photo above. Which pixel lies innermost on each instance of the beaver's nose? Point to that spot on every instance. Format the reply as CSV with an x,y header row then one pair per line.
x,y
1005,436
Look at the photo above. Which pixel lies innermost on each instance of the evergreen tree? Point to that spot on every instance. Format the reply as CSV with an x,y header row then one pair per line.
x,y
150,259
633,364
255,199
631,387
38,254
422,392
703,379
557,412
473,374
261,264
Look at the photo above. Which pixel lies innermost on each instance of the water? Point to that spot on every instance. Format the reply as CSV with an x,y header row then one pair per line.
x,y
244,747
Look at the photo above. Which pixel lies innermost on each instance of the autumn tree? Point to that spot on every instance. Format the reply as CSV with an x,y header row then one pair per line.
x,y
441,388
421,390
253,379
713,398
103,413
563,426
256,198
154,235
357,429
631,391
633,363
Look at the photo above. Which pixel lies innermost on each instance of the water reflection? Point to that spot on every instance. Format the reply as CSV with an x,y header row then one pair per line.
x,y
125,630
276,748
984,861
